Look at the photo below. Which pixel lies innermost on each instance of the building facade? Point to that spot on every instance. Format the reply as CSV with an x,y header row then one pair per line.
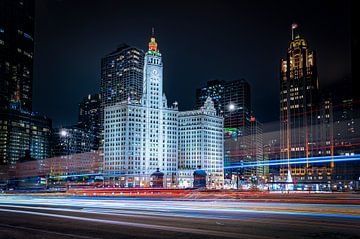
x,y
21,131
304,121
201,145
122,75
121,78
72,140
16,53
90,117
141,136
232,100
257,149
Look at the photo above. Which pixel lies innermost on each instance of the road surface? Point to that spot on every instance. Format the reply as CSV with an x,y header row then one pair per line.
x,y
67,217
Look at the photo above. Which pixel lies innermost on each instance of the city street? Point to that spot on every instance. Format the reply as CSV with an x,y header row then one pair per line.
x,y
70,217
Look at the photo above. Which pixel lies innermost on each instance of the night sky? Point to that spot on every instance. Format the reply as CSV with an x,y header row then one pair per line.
x,y
199,41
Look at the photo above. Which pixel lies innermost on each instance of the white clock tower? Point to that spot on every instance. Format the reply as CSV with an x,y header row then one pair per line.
x,y
153,77
142,137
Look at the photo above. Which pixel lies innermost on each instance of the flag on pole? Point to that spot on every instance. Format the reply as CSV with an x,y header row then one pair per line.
x,y
294,25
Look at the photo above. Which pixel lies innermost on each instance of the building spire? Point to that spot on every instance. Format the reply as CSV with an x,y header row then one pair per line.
x,y
152,43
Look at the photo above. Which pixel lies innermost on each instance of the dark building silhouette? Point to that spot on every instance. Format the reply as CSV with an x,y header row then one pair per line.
x,y
90,117
72,140
232,100
355,52
16,53
21,130
305,118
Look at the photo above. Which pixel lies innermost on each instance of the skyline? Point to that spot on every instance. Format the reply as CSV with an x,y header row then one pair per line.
x,y
76,71
162,119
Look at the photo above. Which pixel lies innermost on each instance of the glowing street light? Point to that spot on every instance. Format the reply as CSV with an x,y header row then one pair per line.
x,y
231,107
63,133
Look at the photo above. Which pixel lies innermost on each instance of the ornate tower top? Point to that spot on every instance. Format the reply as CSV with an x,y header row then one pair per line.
x,y
152,43
298,42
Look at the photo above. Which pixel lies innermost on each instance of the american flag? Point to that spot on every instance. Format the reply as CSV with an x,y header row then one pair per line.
x,y
294,25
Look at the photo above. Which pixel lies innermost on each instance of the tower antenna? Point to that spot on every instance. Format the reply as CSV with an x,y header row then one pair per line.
x,y
293,26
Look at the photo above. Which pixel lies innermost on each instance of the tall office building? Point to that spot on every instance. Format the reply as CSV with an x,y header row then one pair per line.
x,y
355,53
141,136
201,144
301,117
21,130
215,90
72,140
346,140
122,75
256,148
232,100
16,53
90,117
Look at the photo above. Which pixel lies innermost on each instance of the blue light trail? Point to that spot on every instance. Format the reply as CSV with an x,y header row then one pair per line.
x,y
311,160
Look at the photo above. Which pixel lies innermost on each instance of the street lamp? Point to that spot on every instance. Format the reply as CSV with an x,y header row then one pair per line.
x,y
231,107
63,133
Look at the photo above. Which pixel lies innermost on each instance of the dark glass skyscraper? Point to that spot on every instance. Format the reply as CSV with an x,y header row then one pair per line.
x,y
72,140
16,53
243,138
122,75
232,100
21,130
90,116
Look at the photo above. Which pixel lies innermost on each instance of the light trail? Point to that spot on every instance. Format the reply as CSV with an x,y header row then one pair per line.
x,y
133,224
172,218
213,210
312,160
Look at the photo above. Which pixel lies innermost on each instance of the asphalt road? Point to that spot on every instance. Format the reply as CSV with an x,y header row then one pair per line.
x,y
65,217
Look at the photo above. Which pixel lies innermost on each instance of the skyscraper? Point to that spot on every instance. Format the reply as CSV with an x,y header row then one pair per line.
x,y
21,130
141,136
122,75
72,140
16,53
215,90
232,100
301,114
90,117
256,147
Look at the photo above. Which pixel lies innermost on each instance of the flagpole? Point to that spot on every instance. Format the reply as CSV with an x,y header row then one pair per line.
x,y
293,26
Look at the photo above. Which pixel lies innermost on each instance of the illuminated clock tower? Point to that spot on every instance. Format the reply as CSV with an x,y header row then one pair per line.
x,y
153,77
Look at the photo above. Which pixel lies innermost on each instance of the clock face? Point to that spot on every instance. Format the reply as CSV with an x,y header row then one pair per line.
x,y
155,72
